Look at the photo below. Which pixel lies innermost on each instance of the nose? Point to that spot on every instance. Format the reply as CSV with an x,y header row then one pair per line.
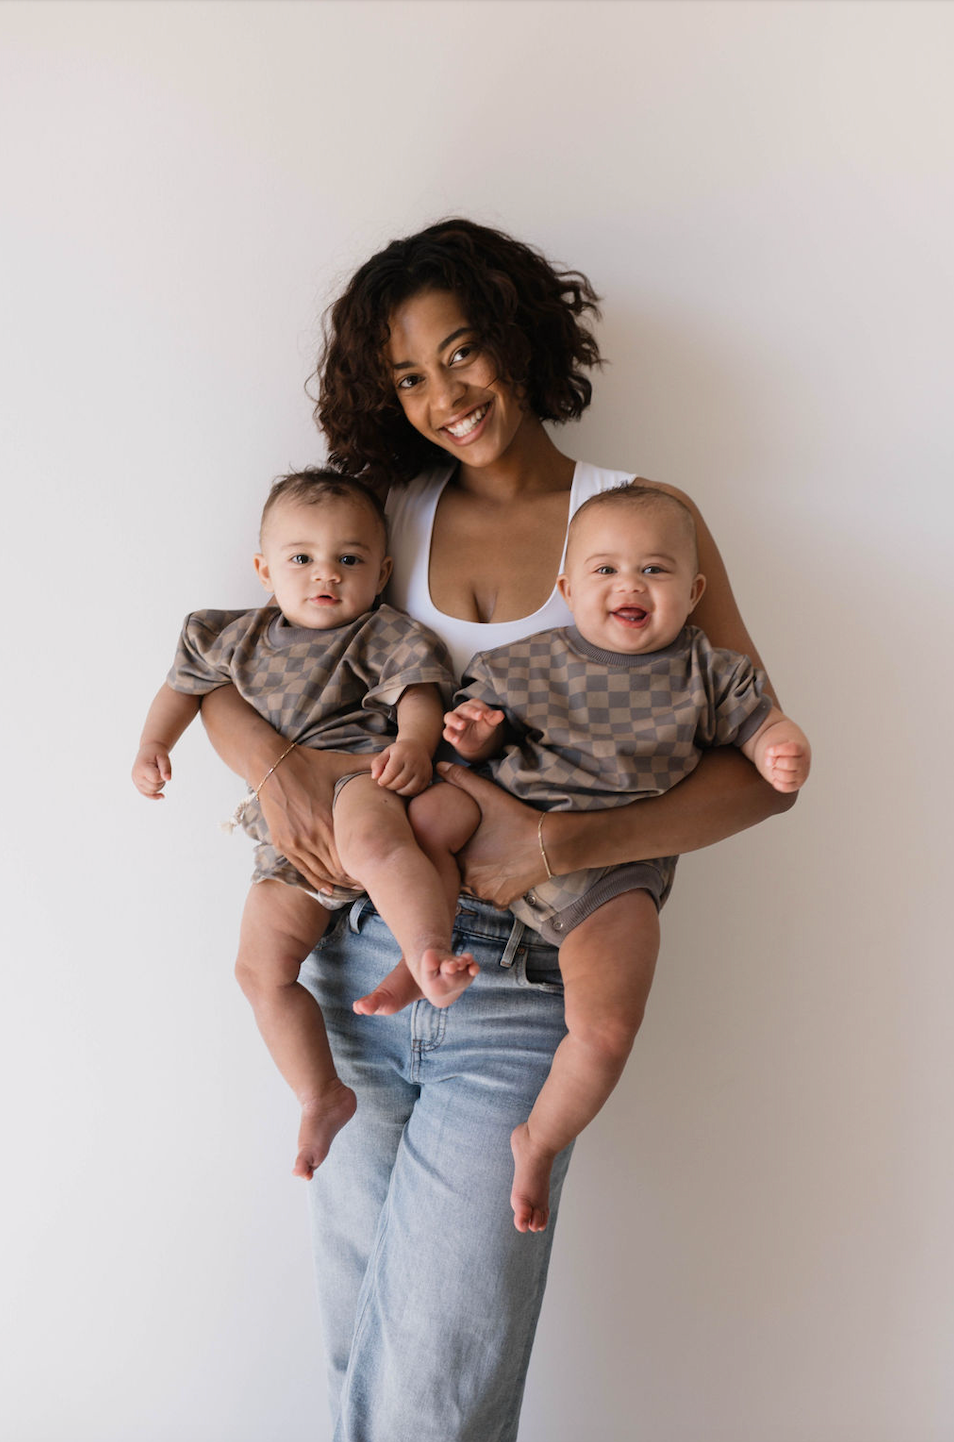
x,y
325,571
631,581
447,391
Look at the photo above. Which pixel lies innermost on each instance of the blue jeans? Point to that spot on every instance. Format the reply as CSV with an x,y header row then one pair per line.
x,y
429,1294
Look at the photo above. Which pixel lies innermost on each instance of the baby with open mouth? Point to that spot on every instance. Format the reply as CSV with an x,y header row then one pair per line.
x,y
616,707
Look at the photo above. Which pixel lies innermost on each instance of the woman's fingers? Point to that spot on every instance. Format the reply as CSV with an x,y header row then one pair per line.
x,y
296,803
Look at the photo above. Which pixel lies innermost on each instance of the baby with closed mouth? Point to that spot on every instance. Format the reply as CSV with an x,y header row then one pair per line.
x,y
616,707
328,667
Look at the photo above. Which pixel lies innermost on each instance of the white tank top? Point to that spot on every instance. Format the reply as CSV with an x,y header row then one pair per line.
x,y
411,510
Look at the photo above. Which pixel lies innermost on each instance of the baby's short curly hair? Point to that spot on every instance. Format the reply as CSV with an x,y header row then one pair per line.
x,y
636,496
529,316
316,484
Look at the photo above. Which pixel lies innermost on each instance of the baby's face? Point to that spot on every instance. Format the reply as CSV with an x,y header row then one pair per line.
x,y
631,579
325,563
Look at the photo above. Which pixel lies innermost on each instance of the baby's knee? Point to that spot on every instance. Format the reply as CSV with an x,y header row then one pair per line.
x,y
608,1037
260,977
444,816
370,846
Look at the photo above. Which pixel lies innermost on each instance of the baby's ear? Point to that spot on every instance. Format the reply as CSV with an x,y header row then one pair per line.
x,y
563,586
261,571
386,566
695,595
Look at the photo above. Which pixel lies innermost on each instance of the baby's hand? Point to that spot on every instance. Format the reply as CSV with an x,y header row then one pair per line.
x,y
151,770
404,767
470,726
787,760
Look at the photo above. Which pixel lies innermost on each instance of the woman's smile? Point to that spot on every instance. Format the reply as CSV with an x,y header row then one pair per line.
x,y
466,429
448,383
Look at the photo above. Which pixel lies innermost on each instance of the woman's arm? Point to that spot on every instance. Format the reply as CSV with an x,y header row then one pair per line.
x,y
724,795
296,800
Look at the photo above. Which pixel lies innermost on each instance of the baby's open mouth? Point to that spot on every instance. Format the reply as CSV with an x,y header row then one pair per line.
x,y
633,615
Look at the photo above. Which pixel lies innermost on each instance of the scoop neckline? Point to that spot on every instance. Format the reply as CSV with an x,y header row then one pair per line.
x,y
514,620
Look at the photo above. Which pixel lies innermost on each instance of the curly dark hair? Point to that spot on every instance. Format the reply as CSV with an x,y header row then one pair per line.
x,y
315,484
526,314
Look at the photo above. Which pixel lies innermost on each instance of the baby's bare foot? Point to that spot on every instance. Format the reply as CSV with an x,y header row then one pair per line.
x,y
396,991
321,1120
444,976
530,1197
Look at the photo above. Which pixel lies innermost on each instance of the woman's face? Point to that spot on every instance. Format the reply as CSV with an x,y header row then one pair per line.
x,y
447,385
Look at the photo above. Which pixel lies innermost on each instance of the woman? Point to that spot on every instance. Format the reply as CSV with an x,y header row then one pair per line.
x,y
443,358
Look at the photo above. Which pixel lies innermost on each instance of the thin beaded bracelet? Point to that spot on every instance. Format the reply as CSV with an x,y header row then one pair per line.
x,y
252,794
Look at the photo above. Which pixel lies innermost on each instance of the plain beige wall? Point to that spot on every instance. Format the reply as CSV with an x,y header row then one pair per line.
x,y
755,1245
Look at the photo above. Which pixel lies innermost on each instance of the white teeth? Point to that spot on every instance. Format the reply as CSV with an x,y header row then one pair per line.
x,y
470,423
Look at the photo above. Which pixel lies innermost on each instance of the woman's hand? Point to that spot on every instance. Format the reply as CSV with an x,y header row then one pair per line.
x,y
502,859
296,803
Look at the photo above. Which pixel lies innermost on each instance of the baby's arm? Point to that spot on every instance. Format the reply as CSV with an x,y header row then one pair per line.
x,y
405,766
780,752
169,715
475,730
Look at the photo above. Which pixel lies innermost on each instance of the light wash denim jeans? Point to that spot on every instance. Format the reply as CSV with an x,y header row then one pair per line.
x,y
429,1294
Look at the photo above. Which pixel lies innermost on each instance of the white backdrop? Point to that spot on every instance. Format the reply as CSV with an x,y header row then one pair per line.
x,y
756,1237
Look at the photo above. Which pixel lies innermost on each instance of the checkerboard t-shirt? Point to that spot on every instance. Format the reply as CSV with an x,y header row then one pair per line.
x,y
595,728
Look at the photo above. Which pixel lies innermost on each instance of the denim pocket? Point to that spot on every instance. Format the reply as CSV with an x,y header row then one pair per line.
x,y
536,966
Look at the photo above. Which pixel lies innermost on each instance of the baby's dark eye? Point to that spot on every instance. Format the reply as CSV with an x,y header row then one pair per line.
x,y
300,560
652,570
606,570
350,560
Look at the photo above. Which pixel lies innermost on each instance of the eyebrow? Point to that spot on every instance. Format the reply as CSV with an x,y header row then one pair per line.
x,y
454,335
306,545
647,559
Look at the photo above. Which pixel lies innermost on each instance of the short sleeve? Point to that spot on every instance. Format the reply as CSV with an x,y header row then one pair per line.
x,y
738,704
479,683
204,654
402,653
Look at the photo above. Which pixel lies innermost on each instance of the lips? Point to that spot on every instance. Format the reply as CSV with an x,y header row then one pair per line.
x,y
463,429
631,615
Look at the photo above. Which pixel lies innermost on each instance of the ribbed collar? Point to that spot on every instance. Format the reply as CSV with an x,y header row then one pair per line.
x,y
621,659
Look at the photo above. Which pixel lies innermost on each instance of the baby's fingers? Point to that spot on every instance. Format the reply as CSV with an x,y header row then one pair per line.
x,y
786,749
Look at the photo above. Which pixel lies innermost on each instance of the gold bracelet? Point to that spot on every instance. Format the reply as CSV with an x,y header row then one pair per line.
x,y
542,848
278,763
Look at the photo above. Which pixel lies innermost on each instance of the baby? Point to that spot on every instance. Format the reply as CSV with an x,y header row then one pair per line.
x,y
327,669
597,714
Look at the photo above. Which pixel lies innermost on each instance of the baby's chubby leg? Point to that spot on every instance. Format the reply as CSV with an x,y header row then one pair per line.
x,y
280,926
377,847
607,964
443,818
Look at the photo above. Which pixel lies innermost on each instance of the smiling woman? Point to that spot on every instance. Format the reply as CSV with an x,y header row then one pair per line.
x,y
443,358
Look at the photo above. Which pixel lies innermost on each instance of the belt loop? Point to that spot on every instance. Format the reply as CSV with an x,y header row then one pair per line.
x,y
357,911
513,941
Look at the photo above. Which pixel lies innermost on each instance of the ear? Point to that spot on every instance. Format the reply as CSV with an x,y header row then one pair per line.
x,y
695,595
563,586
386,566
261,571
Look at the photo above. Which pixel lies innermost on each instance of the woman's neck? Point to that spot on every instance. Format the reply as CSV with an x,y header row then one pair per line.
x,y
530,465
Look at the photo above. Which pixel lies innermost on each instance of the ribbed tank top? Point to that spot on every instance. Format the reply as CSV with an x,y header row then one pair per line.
x,y
411,510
